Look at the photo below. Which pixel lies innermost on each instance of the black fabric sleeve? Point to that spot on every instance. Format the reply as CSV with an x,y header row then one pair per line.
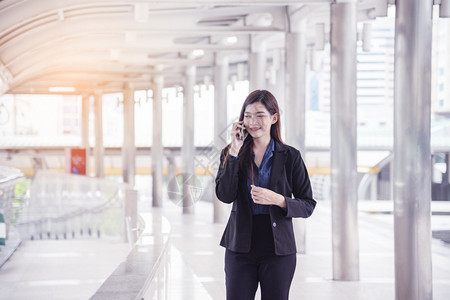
x,y
227,178
302,203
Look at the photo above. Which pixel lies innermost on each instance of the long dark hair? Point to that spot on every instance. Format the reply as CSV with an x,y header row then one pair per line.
x,y
246,152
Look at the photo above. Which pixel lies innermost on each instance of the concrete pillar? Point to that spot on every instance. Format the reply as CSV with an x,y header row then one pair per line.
x,y
129,145
85,105
188,149
172,169
280,92
157,145
344,189
295,107
296,89
412,154
257,64
444,9
131,216
220,125
374,187
391,179
277,82
445,176
99,149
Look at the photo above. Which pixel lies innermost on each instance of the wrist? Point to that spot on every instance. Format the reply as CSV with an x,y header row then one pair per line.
x,y
233,151
282,201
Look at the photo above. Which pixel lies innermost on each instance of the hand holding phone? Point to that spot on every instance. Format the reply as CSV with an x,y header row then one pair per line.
x,y
238,134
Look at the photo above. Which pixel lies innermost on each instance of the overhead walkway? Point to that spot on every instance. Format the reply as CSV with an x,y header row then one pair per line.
x,y
75,269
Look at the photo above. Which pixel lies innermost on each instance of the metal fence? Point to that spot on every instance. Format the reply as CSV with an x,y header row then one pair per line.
x,y
8,178
64,206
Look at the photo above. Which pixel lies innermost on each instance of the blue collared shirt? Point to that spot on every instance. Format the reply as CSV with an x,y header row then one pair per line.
x,y
261,177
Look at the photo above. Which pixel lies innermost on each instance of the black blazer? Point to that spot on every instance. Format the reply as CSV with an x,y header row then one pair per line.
x,y
288,177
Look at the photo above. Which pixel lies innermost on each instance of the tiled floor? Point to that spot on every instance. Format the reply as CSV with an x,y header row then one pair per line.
x,y
56,269
197,238
75,269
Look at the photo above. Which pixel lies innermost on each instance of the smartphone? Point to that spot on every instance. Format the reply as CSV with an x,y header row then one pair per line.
x,y
243,133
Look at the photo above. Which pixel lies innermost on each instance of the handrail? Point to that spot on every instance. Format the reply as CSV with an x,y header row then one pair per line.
x,y
142,274
73,214
8,174
365,180
62,203
8,178
9,241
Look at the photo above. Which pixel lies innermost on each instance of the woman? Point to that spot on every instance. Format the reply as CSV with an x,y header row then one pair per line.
x,y
268,184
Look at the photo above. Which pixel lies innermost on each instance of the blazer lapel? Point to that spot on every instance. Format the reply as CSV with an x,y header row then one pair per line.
x,y
279,159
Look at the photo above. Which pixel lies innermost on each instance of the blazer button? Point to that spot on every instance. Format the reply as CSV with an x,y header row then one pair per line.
x,y
274,224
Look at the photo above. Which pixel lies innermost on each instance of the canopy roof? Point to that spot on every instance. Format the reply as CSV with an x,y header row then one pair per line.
x,y
110,44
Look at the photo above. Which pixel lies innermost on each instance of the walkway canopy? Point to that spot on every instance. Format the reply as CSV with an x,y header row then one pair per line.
x,y
72,46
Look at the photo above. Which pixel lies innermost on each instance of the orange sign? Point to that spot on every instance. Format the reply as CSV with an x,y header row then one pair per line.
x,y
76,161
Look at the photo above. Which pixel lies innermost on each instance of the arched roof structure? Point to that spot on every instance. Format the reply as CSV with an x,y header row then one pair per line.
x,y
107,44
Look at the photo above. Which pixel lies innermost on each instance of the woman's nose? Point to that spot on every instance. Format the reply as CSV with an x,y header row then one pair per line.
x,y
252,120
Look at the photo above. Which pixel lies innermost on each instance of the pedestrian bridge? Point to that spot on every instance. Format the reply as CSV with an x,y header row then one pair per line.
x,y
311,53
165,254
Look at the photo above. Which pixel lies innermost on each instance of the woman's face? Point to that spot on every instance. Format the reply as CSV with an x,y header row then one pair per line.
x,y
258,120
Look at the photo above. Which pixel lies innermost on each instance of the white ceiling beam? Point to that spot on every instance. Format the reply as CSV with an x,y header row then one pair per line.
x,y
74,38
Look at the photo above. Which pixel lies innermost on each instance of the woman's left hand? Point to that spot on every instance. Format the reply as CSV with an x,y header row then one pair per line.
x,y
265,196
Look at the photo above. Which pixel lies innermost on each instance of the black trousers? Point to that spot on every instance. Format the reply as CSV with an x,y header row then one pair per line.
x,y
274,273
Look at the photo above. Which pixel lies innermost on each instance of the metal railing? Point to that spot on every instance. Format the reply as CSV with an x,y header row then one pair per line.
x,y
8,178
65,206
144,273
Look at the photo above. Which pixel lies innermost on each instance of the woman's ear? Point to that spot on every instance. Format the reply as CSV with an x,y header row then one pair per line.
x,y
274,118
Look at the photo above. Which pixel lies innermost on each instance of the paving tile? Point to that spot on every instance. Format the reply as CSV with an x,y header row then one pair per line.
x,y
75,269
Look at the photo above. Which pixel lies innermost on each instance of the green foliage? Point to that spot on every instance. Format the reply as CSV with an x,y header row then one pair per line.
x,y
21,192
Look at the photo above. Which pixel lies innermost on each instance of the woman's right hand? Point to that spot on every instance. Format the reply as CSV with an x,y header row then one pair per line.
x,y
237,140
